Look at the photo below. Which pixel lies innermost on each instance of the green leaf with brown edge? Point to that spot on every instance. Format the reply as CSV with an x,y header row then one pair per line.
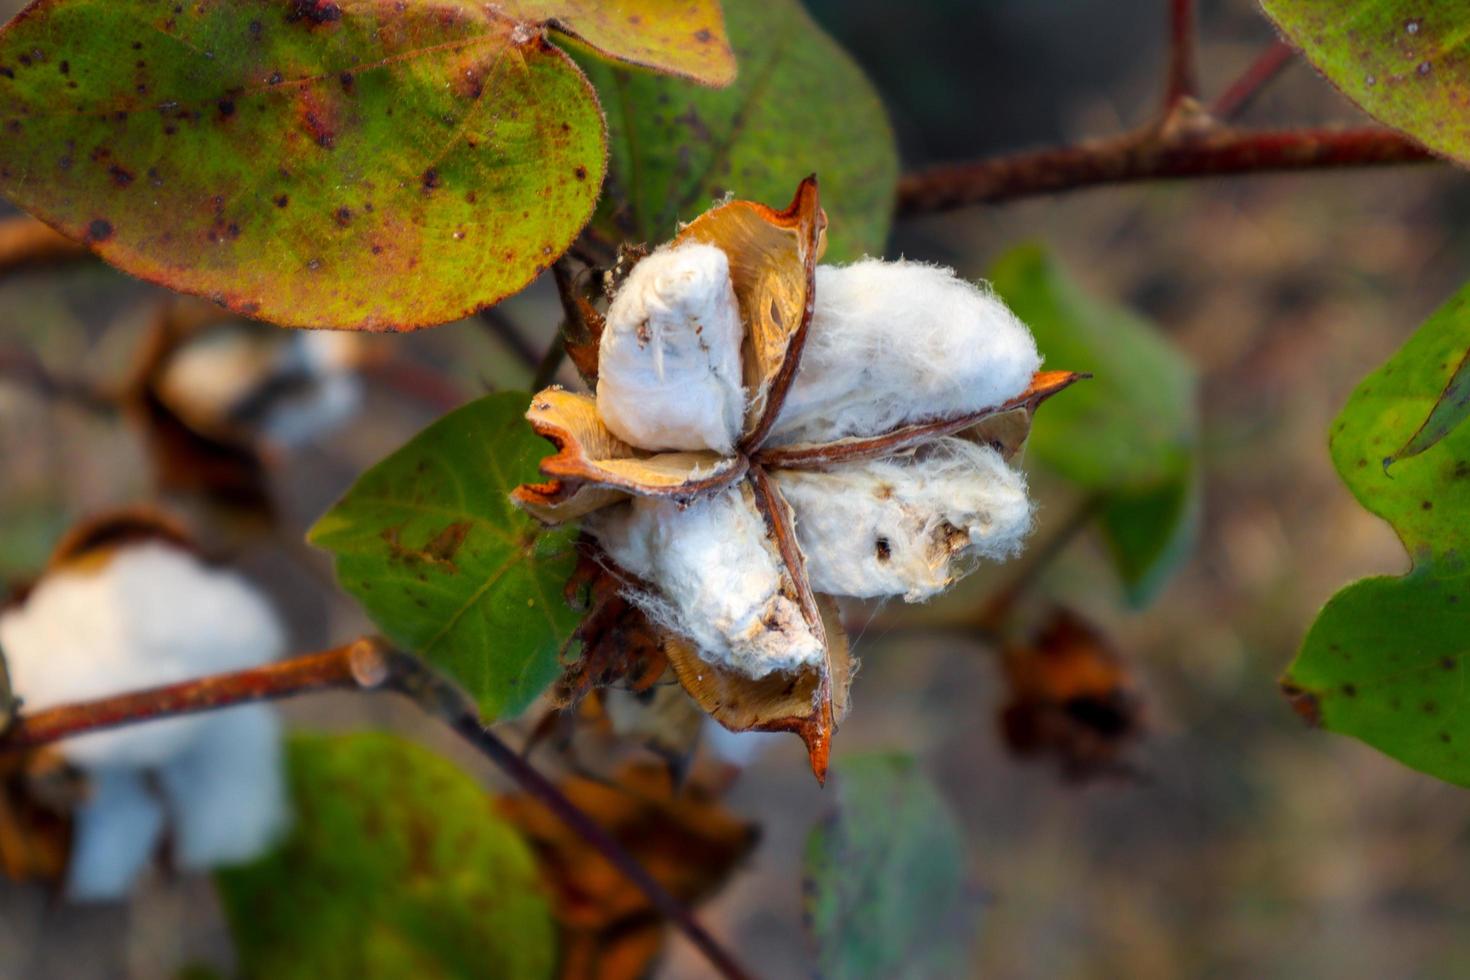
x,y
1387,658
368,164
397,865
677,37
431,545
799,105
885,877
1130,435
1405,62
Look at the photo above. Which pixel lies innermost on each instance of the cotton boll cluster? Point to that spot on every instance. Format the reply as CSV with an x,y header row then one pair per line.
x,y
669,364
905,526
149,614
719,576
897,342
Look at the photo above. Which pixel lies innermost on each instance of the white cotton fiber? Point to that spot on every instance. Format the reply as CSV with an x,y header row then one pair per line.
x,y
227,792
898,342
154,614
116,831
669,365
719,581
906,526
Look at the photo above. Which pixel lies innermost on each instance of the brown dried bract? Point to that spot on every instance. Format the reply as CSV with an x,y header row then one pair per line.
x,y
687,840
1072,698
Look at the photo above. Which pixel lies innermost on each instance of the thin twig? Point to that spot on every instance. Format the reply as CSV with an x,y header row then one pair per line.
x,y
1241,92
26,242
21,366
566,291
366,664
504,330
1000,605
1182,79
1144,156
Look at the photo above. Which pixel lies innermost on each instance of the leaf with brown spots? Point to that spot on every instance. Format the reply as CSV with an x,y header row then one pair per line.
x,y
397,865
688,841
431,545
367,164
677,37
1405,62
1386,660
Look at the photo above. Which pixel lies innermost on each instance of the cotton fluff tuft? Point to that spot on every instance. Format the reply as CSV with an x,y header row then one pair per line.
x,y
669,363
906,526
898,342
719,579
154,615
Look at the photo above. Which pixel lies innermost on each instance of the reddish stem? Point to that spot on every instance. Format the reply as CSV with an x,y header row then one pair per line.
x,y
1270,63
366,664
1215,151
1182,80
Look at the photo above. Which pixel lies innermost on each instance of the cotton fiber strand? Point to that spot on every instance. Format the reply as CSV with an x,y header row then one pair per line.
x,y
669,365
907,526
898,342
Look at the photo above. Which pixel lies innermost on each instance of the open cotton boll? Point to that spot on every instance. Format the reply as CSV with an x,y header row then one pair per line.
x,y
898,342
227,791
905,526
669,366
153,614
718,576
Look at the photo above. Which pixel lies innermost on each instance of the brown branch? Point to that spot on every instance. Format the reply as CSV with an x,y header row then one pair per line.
x,y
1182,153
25,242
366,664
1241,92
566,292
1182,79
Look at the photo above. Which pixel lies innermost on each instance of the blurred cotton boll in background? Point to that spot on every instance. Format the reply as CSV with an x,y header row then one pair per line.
x,y
146,611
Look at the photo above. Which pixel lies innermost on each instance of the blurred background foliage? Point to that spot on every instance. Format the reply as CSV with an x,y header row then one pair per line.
x,y
1242,843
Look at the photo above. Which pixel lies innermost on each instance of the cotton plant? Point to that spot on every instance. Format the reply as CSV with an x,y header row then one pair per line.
x,y
124,605
767,433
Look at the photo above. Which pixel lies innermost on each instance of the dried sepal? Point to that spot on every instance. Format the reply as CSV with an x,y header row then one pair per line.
x,y
773,258
810,702
593,468
38,791
1005,427
684,836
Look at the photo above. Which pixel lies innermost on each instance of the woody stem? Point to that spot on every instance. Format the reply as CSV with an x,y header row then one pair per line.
x,y
366,664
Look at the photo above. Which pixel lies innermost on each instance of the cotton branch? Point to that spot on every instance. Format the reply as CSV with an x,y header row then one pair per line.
x,y
365,665
1241,92
1137,157
1182,80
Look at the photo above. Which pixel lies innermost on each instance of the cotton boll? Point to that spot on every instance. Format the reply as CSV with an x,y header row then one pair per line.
x,y
898,342
718,576
227,792
899,527
116,831
669,364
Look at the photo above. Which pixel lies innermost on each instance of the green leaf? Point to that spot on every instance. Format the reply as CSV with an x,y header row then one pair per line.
x,y
397,866
885,877
1448,412
1129,435
431,545
680,37
1403,61
799,105
1386,660
366,164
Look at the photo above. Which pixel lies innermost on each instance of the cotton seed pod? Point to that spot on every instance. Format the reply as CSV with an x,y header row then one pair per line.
x,y
898,342
669,366
721,580
141,615
907,526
